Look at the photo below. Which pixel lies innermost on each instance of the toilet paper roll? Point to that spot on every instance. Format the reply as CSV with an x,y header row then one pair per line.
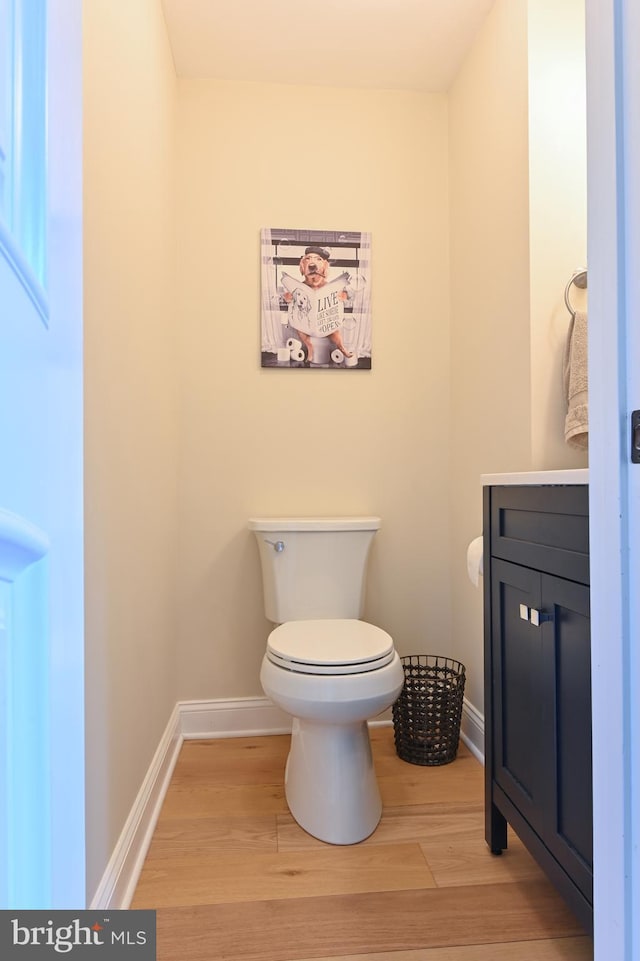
x,y
474,560
294,344
297,355
337,356
284,355
351,361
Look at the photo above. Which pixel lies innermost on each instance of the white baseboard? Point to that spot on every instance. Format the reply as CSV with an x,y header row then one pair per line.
x,y
121,876
239,717
472,729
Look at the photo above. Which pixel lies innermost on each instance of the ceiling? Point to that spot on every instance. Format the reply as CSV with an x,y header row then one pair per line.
x,y
394,44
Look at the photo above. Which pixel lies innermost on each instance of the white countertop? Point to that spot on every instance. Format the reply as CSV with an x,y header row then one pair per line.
x,y
574,476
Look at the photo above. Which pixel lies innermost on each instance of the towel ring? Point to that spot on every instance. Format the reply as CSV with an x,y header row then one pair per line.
x,y
579,278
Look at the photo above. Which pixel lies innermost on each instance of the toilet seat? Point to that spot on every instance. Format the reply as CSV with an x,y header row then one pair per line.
x,y
332,646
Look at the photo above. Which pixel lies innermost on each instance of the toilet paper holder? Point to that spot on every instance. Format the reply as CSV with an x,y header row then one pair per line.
x,y
278,546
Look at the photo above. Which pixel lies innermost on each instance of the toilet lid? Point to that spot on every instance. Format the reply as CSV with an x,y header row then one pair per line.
x,y
330,647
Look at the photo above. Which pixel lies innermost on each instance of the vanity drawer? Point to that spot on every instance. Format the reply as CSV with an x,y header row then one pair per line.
x,y
546,528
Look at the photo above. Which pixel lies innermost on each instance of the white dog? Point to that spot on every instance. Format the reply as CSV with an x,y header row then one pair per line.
x,y
300,308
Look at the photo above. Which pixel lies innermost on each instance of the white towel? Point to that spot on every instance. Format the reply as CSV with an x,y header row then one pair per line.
x,y
576,386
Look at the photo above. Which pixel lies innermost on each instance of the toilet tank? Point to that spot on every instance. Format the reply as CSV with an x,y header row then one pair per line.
x,y
313,567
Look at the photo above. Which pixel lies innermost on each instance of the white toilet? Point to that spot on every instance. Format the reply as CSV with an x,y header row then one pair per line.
x,y
330,671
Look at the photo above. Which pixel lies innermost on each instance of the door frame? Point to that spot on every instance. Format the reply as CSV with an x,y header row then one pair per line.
x,y
613,184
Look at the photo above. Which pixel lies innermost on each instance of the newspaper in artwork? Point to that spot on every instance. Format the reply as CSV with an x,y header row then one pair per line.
x,y
317,311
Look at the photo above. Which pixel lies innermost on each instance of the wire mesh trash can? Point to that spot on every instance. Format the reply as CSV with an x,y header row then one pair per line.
x,y
426,716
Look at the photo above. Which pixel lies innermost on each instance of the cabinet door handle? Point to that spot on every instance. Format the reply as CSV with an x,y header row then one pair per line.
x,y
540,617
524,612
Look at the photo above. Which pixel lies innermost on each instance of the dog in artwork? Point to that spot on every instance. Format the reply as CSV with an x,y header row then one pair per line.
x,y
300,308
314,267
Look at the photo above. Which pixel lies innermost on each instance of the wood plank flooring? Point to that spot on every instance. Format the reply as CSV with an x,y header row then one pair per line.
x,y
232,876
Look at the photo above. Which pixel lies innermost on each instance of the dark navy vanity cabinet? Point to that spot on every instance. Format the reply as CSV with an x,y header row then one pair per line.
x,y
538,681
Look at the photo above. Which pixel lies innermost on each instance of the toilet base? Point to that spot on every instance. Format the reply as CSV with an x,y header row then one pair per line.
x,y
330,781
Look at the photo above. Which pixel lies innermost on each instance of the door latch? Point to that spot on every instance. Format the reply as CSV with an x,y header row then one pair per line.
x,y
635,436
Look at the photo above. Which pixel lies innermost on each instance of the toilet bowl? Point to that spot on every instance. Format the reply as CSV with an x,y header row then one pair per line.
x,y
329,670
322,348
330,781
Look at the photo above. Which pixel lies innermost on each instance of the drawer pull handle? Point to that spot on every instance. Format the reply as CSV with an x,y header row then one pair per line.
x,y
524,612
540,617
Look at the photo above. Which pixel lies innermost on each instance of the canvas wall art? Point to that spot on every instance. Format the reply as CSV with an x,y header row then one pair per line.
x,y
316,299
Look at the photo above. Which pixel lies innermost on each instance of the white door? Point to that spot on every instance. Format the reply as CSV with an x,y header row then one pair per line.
x,y
41,585
613,159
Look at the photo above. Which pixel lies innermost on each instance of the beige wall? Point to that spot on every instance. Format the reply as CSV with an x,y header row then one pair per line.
x,y
518,227
557,211
130,408
490,369
259,441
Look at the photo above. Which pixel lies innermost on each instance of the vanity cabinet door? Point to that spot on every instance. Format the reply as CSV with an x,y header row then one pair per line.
x,y
566,680
518,678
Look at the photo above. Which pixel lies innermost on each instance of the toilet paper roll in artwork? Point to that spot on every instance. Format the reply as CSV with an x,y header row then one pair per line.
x,y
351,361
474,560
294,344
284,355
337,356
297,355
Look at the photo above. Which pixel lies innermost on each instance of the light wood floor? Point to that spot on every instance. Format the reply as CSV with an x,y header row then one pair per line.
x,y
232,876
